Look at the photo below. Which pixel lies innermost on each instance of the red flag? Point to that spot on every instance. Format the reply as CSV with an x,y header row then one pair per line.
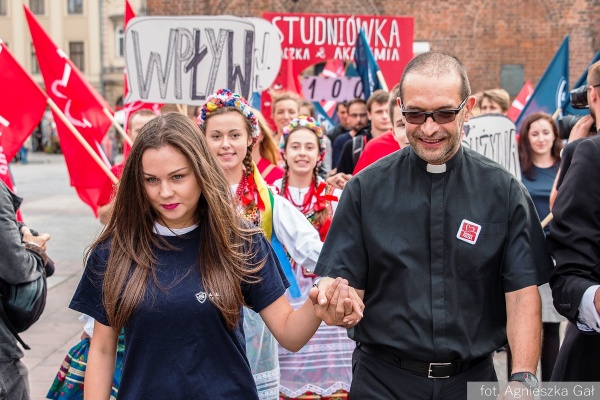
x,y
520,101
287,79
20,111
132,107
82,105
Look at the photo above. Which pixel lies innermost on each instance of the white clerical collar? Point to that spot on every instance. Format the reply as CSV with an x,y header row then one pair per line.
x,y
164,231
436,169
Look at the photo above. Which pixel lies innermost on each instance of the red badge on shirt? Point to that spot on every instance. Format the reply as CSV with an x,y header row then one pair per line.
x,y
468,231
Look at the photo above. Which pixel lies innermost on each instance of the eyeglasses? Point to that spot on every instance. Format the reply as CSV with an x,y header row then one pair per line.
x,y
439,116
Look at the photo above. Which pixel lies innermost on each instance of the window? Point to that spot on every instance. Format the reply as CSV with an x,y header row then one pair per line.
x,y
119,41
2,7
35,67
76,54
75,6
37,6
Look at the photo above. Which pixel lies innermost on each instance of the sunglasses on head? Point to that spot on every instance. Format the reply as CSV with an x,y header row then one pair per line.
x,y
439,116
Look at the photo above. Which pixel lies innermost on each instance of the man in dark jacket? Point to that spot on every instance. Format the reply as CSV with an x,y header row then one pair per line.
x,y
19,260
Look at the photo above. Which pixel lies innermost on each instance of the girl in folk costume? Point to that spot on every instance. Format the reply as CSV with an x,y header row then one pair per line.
x,y
231,130
322,368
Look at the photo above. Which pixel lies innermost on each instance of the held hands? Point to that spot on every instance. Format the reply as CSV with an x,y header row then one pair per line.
x,y
338,180
336,303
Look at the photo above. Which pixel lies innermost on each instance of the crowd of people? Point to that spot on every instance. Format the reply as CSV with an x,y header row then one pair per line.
x,y
382,259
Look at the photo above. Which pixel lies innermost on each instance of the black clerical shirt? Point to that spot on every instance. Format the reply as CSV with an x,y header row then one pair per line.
x,y
435,253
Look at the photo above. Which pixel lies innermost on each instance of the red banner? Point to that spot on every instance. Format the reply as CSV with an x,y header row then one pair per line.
x,y
309,39
20,111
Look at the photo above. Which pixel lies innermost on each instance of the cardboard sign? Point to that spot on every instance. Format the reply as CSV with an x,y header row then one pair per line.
x,y
313,38
319,88
185,59
493,135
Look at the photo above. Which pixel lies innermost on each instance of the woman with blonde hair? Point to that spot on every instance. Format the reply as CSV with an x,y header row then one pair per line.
x,y
285,106
266,154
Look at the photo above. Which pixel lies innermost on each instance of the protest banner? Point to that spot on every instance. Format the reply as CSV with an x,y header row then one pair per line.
x,y
182,60
313,38
493,135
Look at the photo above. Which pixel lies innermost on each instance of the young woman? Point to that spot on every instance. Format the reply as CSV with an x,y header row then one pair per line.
x,y
539,152
285,106
266,153
324,366
174,266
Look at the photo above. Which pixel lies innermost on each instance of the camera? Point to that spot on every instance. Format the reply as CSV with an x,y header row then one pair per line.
x,y
579,97
566,124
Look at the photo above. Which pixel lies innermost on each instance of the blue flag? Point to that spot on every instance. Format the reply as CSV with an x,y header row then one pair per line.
x,y
567,107
366,65
326,123
551,91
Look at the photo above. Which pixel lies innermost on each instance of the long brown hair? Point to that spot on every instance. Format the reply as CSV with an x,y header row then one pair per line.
x,y
224,241
525,152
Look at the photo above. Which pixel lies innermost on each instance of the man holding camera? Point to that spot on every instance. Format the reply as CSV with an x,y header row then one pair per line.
x,y
574,242
19,258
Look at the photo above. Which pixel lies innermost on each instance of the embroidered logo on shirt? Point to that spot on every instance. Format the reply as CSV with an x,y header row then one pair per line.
x,y
468,231
201,297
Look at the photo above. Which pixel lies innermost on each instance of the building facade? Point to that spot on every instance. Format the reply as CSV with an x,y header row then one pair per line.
x,y
502,43
90,32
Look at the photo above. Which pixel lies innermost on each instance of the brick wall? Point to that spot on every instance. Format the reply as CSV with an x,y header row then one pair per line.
x,y
483,34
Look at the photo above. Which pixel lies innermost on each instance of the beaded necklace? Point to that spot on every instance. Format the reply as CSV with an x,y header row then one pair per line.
x,y
306,202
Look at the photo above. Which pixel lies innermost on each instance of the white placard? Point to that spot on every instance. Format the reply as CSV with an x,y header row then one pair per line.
x,y
493,135
185,59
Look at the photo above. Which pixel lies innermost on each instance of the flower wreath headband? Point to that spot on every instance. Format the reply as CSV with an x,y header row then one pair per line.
x,y
226,98
303,121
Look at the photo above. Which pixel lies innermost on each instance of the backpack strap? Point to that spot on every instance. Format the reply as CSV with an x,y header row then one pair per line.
x,y
358,144
10,326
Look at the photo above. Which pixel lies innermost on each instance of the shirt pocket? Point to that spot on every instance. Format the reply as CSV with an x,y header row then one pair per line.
x,y
476,261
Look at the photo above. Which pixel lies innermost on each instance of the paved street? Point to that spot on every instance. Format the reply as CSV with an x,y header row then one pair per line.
x,y
51,205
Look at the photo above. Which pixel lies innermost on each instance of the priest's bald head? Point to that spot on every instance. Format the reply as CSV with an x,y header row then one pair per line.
x,y
435,99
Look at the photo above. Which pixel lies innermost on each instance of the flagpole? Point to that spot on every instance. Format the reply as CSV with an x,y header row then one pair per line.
x,y
118,126
81,140
547,220
384,85
556,113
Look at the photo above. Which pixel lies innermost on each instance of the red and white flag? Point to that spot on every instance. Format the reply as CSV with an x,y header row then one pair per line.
x,y
520,101
20,111
82,105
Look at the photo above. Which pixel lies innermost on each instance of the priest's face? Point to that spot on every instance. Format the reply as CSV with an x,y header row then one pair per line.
x,y
438,138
